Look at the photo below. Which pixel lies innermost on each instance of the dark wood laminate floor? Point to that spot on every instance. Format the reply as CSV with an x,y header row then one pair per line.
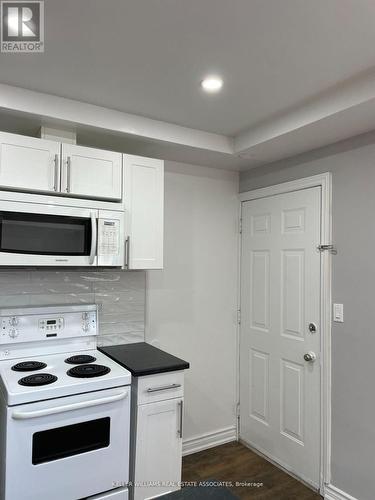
x,y
234,462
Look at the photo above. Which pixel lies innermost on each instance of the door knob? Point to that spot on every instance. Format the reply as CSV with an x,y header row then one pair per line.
x,y
312,327
310,356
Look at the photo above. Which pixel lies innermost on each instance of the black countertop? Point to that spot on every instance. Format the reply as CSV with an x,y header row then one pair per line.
x,y
144,359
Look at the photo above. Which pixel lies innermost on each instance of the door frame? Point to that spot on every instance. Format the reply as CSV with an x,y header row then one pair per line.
x,y
324,181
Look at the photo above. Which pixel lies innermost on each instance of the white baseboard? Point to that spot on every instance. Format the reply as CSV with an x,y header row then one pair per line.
x,y
333,493
209,440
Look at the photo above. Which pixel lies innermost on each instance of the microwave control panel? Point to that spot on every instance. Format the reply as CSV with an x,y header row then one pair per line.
x,y
109,237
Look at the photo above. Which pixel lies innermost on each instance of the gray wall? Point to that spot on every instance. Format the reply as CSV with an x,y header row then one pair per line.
x,y
119,294
352,164
192,302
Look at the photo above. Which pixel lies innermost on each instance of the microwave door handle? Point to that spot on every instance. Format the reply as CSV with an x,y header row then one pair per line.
x,y
94,239
27,415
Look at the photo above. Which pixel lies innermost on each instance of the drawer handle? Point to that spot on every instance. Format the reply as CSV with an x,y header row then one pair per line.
x,y
163,388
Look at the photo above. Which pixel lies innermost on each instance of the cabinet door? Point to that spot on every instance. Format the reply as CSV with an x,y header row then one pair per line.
x,y
144,205
92,173
158,449
29,163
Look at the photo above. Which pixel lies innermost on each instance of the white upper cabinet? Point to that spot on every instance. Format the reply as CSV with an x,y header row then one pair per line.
x,y
39,165
144,205
92,173
29,163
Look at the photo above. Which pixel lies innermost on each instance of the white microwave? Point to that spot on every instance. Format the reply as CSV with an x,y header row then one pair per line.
x,y
41,230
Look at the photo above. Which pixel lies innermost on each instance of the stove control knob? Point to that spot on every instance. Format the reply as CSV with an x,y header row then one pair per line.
x,y
13,333
14,321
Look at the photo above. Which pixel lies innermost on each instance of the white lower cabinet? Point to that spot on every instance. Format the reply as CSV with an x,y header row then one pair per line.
x,y
157,448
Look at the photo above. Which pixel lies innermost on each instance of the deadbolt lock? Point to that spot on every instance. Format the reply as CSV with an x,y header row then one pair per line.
x,y
312,328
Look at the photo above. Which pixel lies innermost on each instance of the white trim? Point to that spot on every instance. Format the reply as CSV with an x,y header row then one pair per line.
x,y
333,493
74,112
325,182
327,107
238,325
326,302
209,440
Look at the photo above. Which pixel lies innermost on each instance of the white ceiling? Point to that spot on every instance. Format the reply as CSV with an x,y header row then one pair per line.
x,y
285,64
147,57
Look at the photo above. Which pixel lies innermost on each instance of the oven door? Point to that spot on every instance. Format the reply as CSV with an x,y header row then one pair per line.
x,y
43,235
68,448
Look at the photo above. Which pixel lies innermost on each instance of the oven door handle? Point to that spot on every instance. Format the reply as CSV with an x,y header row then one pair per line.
x,y
26,415
94,238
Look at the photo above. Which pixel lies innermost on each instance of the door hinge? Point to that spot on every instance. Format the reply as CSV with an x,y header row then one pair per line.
x,y
238,410
239,316
330,248
240,225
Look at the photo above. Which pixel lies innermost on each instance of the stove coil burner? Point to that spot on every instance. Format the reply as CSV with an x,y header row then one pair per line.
x,y
28,366
88,371
37,379
80,359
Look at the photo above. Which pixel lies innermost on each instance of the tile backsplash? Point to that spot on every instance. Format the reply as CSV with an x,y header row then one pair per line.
x,y
120,296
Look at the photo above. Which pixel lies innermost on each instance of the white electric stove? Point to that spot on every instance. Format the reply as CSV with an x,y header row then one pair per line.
x,y
64,408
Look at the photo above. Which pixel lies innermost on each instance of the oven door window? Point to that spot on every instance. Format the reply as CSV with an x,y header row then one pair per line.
x,y
38,234
70,440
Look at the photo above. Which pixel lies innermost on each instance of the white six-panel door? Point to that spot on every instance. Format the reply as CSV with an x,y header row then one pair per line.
x,y
280,297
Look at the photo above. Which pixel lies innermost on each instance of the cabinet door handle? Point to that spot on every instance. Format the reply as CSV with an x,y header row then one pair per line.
x,y
163,387
56,173
180,430
127,252
68,168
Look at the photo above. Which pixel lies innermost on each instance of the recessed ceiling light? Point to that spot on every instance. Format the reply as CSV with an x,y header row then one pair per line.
x,y
212,84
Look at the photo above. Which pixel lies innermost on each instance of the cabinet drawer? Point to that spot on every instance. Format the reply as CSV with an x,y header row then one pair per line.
x,y
160,386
